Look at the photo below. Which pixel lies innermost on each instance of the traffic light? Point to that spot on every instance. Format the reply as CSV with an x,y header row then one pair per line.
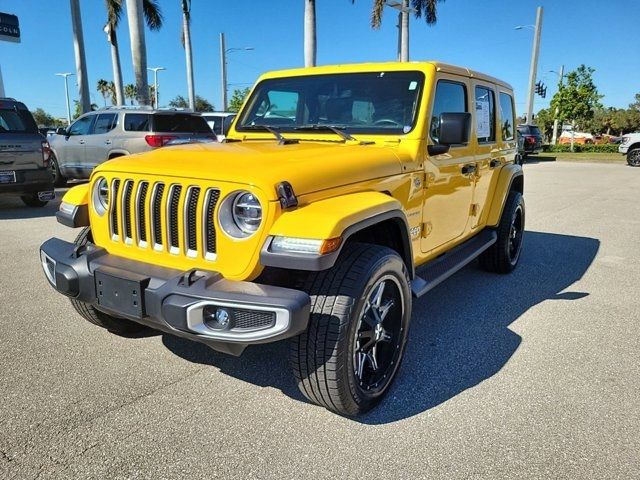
x,y
544,92
541,89
538,86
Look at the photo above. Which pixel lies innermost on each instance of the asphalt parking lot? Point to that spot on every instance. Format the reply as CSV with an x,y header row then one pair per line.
x,y
531,375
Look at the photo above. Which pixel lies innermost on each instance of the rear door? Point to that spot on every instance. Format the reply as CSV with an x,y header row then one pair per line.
x,y
20,141
99,142
181,125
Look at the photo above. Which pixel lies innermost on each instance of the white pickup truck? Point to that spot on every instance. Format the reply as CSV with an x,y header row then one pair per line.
x,y
630,146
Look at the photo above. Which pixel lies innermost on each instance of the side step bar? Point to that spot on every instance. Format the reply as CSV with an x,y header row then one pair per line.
x,y
438,270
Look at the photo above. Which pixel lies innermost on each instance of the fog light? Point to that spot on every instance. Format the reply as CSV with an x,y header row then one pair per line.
x,y
216,317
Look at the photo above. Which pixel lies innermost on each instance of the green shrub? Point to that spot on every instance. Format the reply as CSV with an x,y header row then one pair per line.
x,y
579,147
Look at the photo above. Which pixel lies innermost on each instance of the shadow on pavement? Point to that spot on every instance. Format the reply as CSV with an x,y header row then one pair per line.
x,y
13,208
459,335
533,159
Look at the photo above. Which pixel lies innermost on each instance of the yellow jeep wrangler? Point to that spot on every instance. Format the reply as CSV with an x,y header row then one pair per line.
x,y
340,193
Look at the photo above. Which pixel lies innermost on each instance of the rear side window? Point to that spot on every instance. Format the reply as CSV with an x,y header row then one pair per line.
x,y
180,123
485,115
105,123
506,116
217,123
137,122
451,97
17,121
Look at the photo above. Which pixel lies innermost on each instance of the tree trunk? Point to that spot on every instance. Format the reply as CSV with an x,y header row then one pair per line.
x,y
117,68
138,50
186,29
404,32
81,61
309,33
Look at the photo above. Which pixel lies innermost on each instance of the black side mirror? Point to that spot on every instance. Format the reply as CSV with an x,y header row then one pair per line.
x,y
226,124
455,129
61,131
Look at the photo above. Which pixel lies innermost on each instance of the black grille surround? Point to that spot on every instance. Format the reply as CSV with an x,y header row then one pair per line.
x,y
157,214
142,211
172,215
210,236
126,211
114,208
191,215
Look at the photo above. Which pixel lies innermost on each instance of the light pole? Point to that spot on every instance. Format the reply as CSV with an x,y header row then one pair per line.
x,y
403,27
223,67
554,138
66,93
534,61
155,71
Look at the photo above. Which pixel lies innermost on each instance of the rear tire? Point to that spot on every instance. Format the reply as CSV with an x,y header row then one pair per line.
x,y
58,179
349,355
96,317
32,200
503,256
633,157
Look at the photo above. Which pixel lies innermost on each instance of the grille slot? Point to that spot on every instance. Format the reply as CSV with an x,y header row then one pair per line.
x,y
156,207
190,227
172,217
253,320
126,210
209,222
115,186
141,213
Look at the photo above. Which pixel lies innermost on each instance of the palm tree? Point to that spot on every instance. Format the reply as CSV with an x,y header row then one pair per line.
x,y
186,39
135,15
153,18
310,33
418,7
102,87
81,61
130,92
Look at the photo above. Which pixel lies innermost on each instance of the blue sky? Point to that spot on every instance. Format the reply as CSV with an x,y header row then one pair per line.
x,y
476,34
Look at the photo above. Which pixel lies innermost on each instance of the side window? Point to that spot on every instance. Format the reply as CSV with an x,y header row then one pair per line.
x,y
506,116
81,126
450,97
105,123
485,115
137,122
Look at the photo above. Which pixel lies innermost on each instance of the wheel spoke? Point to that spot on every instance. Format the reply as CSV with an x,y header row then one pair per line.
x,y
384,309
376,297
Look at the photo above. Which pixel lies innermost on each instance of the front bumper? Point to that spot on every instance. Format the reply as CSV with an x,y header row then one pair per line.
x,y
180,303
623,149
28,181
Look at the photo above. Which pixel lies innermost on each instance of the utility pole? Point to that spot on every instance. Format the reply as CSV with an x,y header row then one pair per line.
x,y
554,140
534,64
66,93
223,70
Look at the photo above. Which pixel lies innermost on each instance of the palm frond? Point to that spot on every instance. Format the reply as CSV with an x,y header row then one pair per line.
x,y
152,14
114,12
376,13
428,8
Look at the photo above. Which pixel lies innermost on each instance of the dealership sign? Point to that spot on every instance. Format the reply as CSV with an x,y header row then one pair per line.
x,y
9,28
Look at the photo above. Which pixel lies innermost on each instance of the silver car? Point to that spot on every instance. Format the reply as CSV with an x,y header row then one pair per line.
x,y
24,155
116,131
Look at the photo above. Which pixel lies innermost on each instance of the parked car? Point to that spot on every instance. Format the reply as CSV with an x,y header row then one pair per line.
x,y
24,156
309,225
532,139
219,122
116,131
630,146
582,138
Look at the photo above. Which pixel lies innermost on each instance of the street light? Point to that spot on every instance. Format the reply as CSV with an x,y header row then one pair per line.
x,y
223,67
155,71
554,138
537,28
66,93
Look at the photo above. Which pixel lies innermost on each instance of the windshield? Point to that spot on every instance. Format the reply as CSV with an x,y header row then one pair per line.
x,y
17,121
375,102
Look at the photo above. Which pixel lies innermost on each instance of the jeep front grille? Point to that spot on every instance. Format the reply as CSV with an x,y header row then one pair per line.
x,y
164,217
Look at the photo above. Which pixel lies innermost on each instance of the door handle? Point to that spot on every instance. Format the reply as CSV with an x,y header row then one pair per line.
x,y
469,168
496,162
107,142
81,142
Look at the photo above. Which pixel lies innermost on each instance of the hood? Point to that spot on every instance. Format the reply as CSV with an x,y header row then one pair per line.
x,y
308,166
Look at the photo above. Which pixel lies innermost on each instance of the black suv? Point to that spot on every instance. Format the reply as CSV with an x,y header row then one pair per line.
x,y
24,156
531,139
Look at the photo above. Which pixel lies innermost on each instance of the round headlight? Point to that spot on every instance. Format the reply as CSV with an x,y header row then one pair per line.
x,y
101,196
247,212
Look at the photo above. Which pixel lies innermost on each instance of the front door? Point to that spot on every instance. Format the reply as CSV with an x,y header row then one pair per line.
x,y
99,143
72,151
450,176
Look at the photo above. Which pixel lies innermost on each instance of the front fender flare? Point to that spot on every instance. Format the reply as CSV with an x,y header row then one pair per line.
x,y
341,216
74,209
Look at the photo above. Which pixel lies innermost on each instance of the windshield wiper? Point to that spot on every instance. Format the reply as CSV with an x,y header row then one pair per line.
x,y
338,130
273,131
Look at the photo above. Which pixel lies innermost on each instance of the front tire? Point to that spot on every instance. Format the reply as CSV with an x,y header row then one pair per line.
x,y
633,157
503,256
96,317
349,355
